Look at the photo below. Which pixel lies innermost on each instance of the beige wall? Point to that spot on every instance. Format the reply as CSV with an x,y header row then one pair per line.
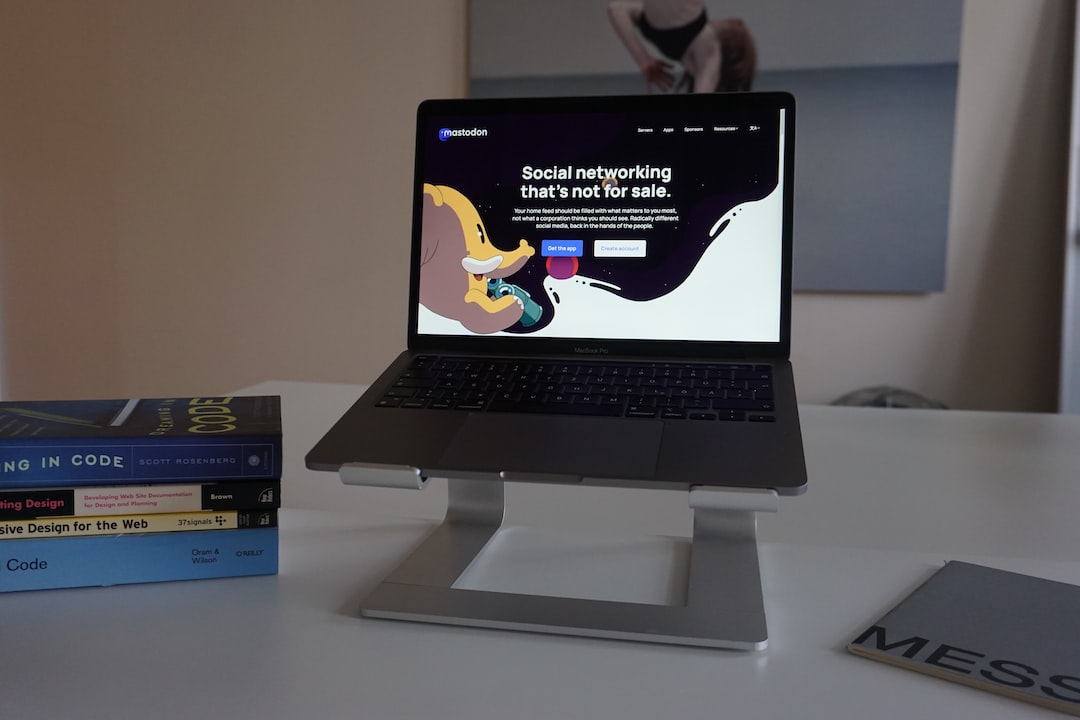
x,y
199,196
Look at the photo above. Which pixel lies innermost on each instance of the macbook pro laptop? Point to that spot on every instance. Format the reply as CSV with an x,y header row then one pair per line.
x,y
599,293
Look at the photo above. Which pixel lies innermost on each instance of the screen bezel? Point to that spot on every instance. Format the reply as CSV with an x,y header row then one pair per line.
x,y
715,102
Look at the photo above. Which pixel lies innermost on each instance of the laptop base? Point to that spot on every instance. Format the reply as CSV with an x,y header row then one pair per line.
x,y
724,605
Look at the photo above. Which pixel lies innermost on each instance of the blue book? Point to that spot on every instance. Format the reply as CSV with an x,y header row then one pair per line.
x,y
112,442
40,564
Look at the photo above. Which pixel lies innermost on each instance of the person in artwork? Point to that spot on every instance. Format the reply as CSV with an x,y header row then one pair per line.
x,y
716,55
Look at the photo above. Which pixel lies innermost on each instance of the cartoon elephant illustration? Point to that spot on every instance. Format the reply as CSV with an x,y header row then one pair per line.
x,y
457,259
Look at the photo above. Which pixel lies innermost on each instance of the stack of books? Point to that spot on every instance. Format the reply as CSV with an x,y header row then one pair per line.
x,y
108,492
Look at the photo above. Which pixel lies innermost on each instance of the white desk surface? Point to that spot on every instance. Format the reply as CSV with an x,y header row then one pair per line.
x,y
893,494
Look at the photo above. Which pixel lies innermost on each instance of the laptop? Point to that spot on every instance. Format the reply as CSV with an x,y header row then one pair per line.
x,y
599,294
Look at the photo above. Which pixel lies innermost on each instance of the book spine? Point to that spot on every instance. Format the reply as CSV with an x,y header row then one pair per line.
x,y
110,461
25,504
40,564
150,523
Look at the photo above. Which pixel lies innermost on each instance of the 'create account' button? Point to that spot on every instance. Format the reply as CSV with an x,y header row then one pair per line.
x,y
562,248
619,248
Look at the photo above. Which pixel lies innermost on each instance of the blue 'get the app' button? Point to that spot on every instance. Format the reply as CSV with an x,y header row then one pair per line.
x,y
562,248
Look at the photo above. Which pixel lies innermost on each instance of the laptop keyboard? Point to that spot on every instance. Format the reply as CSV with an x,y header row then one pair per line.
x,y
731,392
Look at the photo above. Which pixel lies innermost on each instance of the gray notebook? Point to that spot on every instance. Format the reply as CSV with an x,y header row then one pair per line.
x,y
1000,631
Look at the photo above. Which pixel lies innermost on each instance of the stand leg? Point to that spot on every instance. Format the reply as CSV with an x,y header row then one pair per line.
x,y
474,513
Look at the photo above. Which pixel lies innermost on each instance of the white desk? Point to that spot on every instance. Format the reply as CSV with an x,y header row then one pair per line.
x,y
893,493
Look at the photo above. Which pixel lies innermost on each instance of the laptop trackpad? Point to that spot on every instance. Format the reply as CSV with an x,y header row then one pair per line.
x,y
524,445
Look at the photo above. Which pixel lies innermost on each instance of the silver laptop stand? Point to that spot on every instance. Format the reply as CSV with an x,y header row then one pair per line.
x,y
724,605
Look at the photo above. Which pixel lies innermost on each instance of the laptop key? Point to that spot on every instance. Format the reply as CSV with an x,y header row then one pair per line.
x,y
558,409
593,410
743,404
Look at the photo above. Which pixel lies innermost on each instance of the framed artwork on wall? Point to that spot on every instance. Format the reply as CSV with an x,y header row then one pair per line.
x,y
875,83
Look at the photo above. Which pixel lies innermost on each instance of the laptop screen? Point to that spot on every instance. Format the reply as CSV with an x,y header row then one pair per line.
x,y
663,218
